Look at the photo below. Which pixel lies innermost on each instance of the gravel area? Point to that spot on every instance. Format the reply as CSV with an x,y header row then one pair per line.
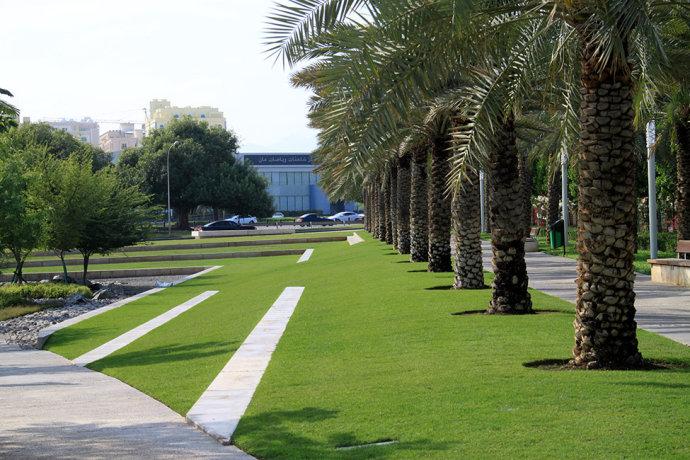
x,y
23,330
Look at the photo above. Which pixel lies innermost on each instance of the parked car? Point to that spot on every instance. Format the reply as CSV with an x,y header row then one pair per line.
x,y
243,219
345,216
311,218
360,216
277,215
224,225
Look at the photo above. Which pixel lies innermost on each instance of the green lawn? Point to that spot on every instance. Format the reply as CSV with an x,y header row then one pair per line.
x,y
374,352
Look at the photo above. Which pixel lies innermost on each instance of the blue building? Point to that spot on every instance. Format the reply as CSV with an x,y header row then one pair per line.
x,y
293,183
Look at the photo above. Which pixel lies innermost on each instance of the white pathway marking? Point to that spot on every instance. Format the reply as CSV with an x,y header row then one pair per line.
x,y
220,407
44,333
139,331
306,255
354,239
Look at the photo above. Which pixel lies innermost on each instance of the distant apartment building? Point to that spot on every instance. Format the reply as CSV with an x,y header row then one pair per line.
x,y
129,135
86,130
161,113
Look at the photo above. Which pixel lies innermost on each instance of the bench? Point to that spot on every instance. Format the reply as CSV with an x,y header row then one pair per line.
x,y
673,271
531,243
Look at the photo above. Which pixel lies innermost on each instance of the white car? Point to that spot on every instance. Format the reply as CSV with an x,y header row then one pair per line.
x,y
243,220
345,216
278,215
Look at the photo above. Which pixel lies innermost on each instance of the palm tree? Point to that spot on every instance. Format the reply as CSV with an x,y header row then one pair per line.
x,y
403,205
8,112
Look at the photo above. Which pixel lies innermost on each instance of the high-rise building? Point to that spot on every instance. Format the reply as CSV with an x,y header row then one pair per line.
x,y
161,113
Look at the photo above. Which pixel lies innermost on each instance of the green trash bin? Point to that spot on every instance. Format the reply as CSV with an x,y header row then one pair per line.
x,y
556,231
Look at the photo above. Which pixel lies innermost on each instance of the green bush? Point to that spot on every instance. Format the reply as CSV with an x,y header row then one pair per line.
x,y
17,294
666,242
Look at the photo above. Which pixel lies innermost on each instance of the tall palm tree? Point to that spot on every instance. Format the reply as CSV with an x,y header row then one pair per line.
x,y
403,205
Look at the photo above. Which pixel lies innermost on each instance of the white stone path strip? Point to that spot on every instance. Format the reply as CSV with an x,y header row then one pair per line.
x,y
139,331
46,332
305,255
354,239
220,407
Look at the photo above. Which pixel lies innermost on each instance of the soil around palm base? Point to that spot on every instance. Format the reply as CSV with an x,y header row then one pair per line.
x,y
567,365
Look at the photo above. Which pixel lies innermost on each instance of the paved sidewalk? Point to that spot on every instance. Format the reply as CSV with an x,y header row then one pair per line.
x,y
662,309
53,409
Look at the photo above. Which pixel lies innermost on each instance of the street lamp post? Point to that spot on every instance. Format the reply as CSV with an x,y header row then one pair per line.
x,y
168,174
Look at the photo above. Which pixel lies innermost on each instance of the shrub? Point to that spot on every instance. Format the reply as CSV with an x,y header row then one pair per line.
x,y
16,294
665,241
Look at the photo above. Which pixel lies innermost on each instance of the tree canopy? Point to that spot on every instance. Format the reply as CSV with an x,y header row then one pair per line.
x,y
203,170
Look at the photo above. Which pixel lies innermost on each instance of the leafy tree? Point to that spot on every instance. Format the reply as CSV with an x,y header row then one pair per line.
x,y
59,143
203,170
117,217
63,189
20,224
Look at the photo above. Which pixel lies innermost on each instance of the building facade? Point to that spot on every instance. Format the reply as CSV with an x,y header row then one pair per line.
x,y
161,112
85,130
129,135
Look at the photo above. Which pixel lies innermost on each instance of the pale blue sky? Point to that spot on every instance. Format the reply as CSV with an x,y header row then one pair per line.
x,y
108,59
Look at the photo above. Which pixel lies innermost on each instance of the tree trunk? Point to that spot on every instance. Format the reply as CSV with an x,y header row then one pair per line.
x,y
553,193
419,224
526,193
509,287
605,327
467,227
183,218
388,211
381,211
86,268
682,128
403,218
394,203
439,207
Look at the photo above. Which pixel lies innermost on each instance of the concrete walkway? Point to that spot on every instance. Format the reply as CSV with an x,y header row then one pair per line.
x,y
53,409
662,309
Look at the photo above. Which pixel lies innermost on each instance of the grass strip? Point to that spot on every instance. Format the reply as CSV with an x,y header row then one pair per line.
x,y
374,352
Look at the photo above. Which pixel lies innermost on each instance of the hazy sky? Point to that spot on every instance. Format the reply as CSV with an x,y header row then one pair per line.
x,y
107,60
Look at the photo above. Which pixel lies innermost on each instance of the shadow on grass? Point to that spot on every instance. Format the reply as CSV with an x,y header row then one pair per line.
x,y
417,271
648,365
439,288
269,436
167,354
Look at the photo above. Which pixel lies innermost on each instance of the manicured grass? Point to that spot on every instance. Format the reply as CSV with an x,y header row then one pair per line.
x,y
23,309
374,352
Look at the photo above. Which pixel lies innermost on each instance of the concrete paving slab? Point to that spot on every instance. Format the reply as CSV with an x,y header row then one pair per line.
x,y
220,407
306,255
139,331
53,409
662,309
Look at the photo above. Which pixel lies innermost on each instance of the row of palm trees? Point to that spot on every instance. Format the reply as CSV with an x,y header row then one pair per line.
x,y
447,86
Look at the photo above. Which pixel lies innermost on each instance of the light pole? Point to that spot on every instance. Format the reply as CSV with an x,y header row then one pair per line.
x,y
168,173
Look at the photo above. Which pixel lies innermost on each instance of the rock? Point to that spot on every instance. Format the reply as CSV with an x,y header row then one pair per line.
x,y
75,299
104,294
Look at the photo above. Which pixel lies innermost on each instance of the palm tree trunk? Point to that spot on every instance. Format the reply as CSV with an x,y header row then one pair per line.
x,y
553,193
605,327
403,207
381,211
682,128
467,228
388,238
525,193
439,207
509,287
394,203
419,242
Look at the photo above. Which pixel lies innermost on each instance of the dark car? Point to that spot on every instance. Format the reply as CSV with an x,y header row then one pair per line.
x,y
311,218
224,225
